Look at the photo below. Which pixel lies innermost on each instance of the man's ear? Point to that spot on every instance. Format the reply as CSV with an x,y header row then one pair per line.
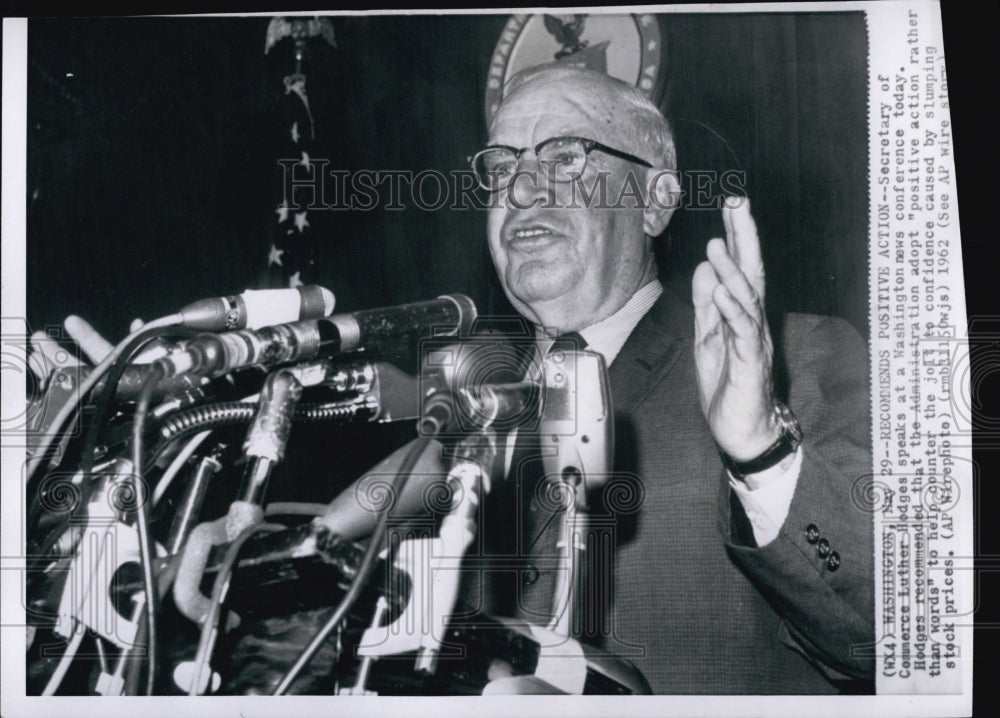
x,y
664,199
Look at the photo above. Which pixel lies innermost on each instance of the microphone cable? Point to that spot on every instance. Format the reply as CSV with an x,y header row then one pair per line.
x,y
103,397
364,569
113,371
66,411
146,541
206,639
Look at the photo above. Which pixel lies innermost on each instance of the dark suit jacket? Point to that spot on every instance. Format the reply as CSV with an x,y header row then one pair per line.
x,y
693,602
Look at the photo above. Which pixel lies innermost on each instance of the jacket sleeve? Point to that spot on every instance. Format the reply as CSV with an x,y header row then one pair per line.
x,y
818,573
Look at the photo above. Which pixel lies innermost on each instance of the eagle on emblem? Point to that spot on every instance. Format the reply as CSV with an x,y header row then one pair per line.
x,y
566,29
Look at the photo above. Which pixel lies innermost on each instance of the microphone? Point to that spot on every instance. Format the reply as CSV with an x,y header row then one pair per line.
x,y
501,405
212,355
355,511
66,381
64,387
478,382
577,414
577,417
258,308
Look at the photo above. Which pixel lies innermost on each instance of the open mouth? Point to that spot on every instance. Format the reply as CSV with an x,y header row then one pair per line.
x,y
529,233
529,238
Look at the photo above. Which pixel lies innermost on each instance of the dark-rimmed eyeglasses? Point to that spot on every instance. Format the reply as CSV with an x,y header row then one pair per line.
x,y
563,160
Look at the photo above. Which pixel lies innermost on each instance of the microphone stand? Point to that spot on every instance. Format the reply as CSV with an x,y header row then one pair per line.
x,y
470,479
433,564
572,553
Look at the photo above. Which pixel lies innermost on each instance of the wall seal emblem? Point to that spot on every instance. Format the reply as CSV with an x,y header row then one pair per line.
x,y
624,46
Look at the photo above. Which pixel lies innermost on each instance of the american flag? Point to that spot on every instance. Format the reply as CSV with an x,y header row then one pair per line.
x,y
291,254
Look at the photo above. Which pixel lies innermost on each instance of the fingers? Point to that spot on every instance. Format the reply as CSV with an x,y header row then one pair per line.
x,y
743,242
722,296
742,324
47,356
734,280
703,284
91,342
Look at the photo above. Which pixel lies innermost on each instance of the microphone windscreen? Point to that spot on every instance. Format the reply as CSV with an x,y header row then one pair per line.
x,y
355,511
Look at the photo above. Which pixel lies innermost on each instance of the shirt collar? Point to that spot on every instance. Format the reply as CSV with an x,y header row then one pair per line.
x,y
608,336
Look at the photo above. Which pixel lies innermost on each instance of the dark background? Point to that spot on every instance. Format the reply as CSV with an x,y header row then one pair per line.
x,y
151,177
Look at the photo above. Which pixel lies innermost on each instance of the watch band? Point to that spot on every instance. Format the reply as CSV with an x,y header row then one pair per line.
x,y
784,446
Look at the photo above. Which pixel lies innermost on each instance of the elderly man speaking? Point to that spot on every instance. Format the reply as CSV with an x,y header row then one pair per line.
x,y
747,568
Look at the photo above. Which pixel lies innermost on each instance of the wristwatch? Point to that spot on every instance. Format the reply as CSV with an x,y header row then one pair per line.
x,y
787,443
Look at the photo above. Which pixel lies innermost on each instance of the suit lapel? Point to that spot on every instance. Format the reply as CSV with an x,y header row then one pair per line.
x,y
651,351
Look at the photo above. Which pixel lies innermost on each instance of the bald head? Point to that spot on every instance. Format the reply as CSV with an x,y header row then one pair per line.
x,y
621,110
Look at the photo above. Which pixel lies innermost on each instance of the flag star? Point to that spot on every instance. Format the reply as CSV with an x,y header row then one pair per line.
x,y
301,222
295,280
282,213
274,256
295,132
650,46
305,159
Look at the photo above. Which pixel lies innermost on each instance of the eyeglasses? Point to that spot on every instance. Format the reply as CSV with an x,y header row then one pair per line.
x,y
564,158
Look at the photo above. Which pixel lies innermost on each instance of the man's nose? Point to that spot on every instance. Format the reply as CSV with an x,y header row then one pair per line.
x,y
531,185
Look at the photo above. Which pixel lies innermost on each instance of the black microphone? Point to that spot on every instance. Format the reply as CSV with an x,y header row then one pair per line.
x,y
500,406
64,386
133,378
65,383
213,355
258,308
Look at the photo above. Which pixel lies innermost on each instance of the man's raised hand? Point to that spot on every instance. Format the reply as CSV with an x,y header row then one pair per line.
x,y
733,350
